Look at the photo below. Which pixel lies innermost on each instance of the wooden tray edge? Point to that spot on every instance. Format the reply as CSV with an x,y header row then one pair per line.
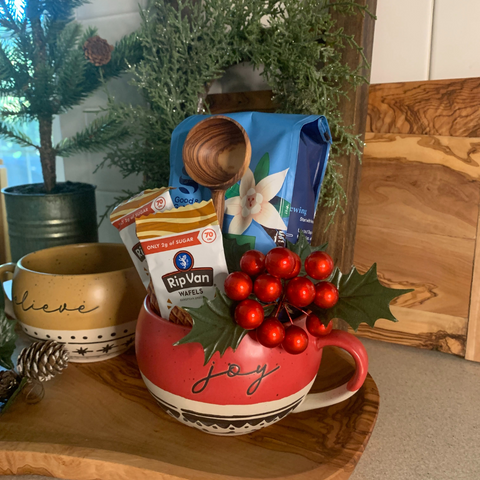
x,y
79,463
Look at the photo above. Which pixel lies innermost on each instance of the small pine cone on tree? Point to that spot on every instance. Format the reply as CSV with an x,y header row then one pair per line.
x,y
9,382
97,51
42,360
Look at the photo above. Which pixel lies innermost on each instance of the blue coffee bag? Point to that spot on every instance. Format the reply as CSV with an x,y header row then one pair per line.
x,y
279,192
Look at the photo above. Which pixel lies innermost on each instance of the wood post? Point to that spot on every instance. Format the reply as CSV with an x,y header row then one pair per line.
x,y
341,235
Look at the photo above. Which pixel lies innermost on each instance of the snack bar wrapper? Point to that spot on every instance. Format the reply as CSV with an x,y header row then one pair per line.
x,y
278,194
184,252
123,218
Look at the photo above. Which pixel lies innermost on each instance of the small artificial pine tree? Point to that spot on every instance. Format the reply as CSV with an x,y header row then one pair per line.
x,y
44,72
188,44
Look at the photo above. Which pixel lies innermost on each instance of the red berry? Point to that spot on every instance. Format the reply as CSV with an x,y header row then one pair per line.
x,y
319,265
316,327
238,286
249,314
296,340
280,262
252,263
267,288
300,292
326,295
298,266
271,332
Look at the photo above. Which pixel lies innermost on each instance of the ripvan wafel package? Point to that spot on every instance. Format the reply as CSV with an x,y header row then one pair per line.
x,y
184,252
123,219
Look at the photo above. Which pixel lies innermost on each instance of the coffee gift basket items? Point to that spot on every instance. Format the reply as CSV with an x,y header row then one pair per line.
x,y
228,303
239,307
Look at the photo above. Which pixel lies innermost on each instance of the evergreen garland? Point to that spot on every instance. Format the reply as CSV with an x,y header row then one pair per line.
x,y
44,72
188,44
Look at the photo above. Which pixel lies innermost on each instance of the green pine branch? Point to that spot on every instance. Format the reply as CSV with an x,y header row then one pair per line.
x,y
106,130
44,72
8,72
8,132
62,10
62,44
109,208
12,112
187,45
8,19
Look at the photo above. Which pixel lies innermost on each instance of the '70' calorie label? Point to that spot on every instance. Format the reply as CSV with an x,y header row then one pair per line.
x,y
209,235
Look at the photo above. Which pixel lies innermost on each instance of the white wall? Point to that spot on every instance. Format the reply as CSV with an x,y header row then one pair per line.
x,y
114,19
426,40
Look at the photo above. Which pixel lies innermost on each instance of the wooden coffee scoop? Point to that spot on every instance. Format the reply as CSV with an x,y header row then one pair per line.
x,y
216,154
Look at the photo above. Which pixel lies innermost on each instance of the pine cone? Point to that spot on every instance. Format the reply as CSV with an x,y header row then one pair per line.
x,y
97,51
9,381
42,360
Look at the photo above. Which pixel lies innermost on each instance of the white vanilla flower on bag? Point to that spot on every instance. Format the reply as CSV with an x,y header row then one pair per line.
x,y
253,203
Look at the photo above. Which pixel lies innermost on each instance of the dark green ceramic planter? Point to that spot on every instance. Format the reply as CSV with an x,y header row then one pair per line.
x,y
38,221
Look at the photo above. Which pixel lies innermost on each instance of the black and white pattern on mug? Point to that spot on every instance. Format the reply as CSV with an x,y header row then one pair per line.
x,y
88,345
225,420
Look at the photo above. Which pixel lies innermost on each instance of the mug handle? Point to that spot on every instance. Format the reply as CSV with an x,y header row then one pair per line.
x,y
7,268
350,343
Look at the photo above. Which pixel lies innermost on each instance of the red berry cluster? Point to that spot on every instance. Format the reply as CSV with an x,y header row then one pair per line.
x,y
274,278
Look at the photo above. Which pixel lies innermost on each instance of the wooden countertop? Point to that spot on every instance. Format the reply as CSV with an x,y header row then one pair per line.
x,y
99,421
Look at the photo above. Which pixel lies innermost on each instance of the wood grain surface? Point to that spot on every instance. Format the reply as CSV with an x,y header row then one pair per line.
x,y
473,335
260,101
419,211
418,218
216,154
439,268
421,183
341,235
437,107
421,329
99,421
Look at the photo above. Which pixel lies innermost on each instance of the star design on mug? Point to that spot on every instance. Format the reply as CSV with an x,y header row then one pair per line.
x,y
106,348
129,341
82,351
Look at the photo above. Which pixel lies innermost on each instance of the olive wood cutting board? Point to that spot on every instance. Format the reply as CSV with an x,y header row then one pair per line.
x,y
419,211
99,421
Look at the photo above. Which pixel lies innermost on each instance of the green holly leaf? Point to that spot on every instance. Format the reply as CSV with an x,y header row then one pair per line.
x,y
213,326
363,299
8,337
234,247
233,191
262,169
303,249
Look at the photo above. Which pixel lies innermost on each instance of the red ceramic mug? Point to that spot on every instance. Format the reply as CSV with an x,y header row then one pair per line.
x,y
241,391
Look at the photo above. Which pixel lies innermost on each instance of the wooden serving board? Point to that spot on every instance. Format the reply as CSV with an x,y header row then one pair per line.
x,y
99,421
419,211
